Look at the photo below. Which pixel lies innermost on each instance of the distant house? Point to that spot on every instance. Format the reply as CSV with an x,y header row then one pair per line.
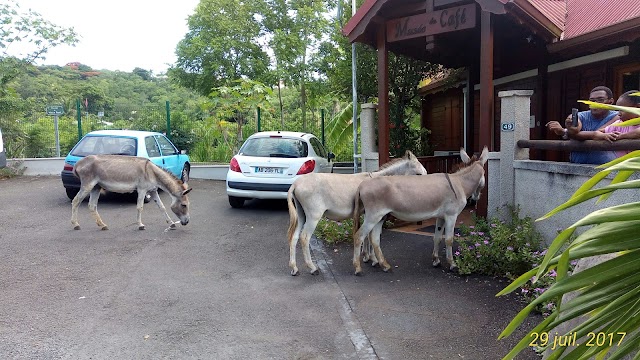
x,y
558,49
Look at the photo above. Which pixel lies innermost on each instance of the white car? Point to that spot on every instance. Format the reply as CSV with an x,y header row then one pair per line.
x,y
269,162
3,154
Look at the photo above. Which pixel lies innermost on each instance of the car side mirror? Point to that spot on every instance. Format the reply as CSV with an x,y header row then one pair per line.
x,y
331,156
183,152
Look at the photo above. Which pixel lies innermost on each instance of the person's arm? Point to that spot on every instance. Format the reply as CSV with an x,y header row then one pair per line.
x,y
557,129
577,133
633,134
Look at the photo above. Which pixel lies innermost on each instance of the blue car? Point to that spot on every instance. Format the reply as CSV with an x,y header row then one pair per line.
x,y
152,145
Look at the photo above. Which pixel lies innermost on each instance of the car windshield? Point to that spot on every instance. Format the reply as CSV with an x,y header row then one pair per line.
x,y
275,147
92,145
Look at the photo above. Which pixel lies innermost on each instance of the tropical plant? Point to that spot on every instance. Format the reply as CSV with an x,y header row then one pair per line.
x,y
607,294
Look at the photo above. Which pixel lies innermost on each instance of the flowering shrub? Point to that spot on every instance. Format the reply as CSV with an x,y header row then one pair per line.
x,y
504,249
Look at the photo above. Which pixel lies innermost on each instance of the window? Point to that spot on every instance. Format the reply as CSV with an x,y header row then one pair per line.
x,y
318,147
166,147
627,77
91,145
275,147
152,147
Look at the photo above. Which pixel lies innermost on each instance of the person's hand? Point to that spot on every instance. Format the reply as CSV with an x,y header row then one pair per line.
x,y
610,137
555,127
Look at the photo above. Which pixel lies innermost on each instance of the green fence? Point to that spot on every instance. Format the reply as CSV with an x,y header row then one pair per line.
x,y
31,133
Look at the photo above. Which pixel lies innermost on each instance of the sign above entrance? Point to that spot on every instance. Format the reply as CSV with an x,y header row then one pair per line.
x,y
436,22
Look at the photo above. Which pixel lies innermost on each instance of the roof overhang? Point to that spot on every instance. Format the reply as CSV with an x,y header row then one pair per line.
x,y
626,31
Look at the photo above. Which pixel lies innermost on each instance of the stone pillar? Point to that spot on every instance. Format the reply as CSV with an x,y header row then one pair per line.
x,y
368,147
515,112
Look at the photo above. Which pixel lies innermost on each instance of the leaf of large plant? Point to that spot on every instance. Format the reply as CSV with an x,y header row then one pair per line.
x,y
595,105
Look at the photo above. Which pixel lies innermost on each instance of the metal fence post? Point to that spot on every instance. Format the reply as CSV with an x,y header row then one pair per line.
x,y
258,118
168,120
322,124
79,117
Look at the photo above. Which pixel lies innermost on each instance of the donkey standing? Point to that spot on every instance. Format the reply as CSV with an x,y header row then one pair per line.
x,y
415,198
315,195
125,174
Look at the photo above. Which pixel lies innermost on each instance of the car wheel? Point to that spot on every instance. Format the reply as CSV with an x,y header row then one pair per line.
x,y
185,174
236,202
71,193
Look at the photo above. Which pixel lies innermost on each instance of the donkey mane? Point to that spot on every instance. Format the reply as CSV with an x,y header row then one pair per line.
x,y
392,163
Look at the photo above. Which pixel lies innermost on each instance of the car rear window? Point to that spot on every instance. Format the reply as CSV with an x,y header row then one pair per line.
x,y
93,145
275,147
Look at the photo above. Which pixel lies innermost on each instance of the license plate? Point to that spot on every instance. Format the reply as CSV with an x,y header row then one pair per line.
x,y
268,170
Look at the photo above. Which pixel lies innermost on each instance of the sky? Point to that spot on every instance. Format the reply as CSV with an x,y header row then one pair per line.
x,y
117,34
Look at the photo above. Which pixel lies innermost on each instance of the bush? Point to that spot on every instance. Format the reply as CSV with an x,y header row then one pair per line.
x,y
504,249
334,232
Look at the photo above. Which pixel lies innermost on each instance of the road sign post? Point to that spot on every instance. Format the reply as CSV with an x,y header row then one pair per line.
x,y
56,110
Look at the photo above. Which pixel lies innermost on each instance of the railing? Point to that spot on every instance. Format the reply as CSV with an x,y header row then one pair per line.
x,y
439,164
577,145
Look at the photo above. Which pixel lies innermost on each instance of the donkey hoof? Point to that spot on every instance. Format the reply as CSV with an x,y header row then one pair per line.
x,y
315,272
387,269
375,264
358,273
436,263
141,227
104,228
295,272
77,227
454,268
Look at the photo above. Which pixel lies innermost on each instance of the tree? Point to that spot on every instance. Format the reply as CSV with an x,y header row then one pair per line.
x,y
295,30
222,45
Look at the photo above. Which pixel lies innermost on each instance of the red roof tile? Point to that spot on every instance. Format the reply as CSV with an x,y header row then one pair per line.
x,y
585,16
554,10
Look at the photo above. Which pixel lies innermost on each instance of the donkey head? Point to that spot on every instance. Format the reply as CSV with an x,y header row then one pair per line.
x,y
180,205
475,196
414,165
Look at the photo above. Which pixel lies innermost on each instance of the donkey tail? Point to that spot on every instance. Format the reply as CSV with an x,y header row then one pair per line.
x,y
293,213
356,213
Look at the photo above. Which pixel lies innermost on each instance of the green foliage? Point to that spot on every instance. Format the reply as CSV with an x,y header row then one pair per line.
x,y
506,249
13,169
334,232
607,293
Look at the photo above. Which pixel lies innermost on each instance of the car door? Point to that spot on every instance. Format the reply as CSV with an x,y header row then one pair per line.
x,y
153,150
169,155
322,161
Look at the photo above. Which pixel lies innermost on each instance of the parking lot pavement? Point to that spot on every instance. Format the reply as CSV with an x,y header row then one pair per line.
x,y
219,288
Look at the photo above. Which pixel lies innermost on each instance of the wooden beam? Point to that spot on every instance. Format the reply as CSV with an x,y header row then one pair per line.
x,y
486,93
486,81
383,95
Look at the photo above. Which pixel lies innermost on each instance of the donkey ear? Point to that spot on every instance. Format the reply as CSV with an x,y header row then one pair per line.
x,y
463,155
484,156
409,155
187,191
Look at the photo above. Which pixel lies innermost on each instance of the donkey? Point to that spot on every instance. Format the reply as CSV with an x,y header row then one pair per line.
x,y
315,195
413,198
125,174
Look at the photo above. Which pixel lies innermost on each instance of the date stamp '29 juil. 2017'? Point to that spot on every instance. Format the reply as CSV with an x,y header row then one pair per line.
x,y
593,339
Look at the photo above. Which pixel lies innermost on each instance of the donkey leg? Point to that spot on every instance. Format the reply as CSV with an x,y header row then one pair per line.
x,y
369,253
305,237
154,195
77,200
93,208
450,222
375,241
293,242
358,239
436,242
139,207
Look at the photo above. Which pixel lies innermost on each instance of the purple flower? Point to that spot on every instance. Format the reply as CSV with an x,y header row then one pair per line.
x,y
574,262
477,244
550,306
544,252
539,290
527,244
553,273
473,233
493,225
480,233
471,227
478,256
510,248
457,235
471,247
524,291
457,253
486,242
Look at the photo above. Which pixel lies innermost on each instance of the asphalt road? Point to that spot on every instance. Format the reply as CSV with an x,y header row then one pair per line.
x,y
219,288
